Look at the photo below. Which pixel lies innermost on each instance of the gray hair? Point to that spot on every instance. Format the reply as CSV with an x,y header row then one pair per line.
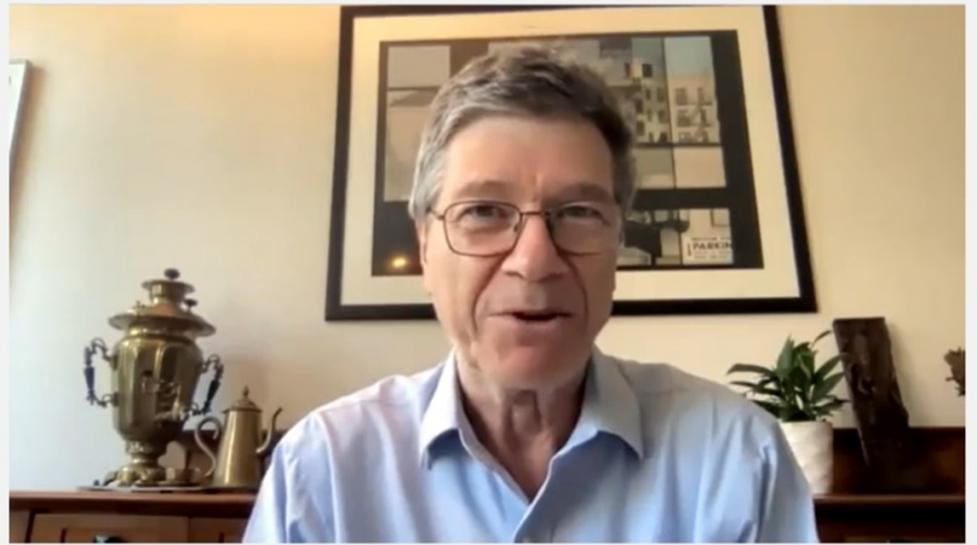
x,y
527,80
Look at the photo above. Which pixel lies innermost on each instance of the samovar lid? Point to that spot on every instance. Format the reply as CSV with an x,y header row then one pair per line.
x,y
243,403
167,298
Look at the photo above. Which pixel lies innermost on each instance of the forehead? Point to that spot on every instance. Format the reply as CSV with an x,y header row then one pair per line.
x,y
528,158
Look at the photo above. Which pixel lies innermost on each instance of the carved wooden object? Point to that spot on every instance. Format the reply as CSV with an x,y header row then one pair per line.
x,y
881,417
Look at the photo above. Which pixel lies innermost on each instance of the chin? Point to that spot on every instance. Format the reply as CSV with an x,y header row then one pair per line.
x,y
534,367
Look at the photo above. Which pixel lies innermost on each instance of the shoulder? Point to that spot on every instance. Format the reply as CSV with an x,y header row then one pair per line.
x,y
397,392
657,381
715,441
670,398
393,403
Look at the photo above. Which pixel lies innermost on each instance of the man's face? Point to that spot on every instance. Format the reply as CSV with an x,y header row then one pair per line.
x,y
526,319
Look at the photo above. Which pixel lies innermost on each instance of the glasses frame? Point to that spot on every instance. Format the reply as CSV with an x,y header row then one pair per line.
x,y
522,215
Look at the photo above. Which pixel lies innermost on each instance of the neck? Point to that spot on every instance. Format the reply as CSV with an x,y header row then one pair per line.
x,y
521,428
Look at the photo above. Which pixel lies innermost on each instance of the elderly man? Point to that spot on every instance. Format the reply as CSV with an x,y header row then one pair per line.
x,y
526,432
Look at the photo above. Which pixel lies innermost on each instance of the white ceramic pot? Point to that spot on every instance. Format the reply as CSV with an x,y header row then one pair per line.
x,y
812,443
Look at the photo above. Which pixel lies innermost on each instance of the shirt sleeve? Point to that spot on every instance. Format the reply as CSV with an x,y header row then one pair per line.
x,y
786,506
293,504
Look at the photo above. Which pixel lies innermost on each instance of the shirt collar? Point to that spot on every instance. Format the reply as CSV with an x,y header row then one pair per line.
x,y
609,406
444,413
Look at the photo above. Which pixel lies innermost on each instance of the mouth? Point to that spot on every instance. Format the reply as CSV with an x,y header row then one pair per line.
x,y
539,316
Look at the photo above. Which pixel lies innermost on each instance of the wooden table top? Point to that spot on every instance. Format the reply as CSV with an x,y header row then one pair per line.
x,y
203,503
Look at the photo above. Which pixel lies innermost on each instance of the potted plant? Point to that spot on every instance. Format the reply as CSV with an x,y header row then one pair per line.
x,y
798,393
956,359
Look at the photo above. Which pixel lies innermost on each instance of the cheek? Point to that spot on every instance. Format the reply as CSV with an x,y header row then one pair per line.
x,y
473,283
600,281
455,284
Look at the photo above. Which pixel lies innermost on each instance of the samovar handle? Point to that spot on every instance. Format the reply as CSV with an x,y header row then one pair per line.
x,y
214,383
203,446
90,350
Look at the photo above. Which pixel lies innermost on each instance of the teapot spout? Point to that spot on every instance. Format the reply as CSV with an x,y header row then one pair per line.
x,y
263,449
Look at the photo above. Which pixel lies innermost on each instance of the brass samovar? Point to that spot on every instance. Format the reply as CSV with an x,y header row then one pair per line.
x,y
155,369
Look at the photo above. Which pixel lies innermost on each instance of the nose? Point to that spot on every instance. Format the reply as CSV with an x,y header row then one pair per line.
x,y
535,257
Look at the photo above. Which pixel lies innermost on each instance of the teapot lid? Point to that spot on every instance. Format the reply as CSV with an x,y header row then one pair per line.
x,y
243,403
166,299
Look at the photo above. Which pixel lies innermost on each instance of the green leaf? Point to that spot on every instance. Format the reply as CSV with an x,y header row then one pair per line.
x,y
786,353
807,361
827,367
806,400
825,387
792,414
799,388
820,336
786,359
798,377
756,388
749,368
827,408
769,406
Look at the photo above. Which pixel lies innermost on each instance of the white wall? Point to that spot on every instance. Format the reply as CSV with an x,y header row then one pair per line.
x,y
202,138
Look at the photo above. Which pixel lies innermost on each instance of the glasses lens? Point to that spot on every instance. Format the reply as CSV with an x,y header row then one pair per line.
x,y
481,228
486,228
584,227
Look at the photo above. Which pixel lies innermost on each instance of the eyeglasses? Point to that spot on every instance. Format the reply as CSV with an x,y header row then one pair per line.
x,y
490,228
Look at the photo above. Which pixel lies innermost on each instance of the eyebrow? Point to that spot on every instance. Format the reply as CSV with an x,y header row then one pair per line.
x,y
586,191
576,191
481,188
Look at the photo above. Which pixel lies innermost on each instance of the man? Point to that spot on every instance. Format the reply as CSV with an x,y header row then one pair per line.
x,y
526,432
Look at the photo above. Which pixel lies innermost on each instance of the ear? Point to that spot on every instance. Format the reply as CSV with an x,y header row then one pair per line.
x,y
422,231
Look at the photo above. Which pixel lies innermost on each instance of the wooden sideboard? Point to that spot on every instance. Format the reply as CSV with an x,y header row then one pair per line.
x,y
890,518
856,511
62,517
113,517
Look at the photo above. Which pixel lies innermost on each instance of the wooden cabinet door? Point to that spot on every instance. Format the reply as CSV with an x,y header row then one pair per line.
x,y
19,521
97,527
217,530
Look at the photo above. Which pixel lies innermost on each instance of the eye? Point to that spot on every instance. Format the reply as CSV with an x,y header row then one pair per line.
x,y
483,213
582,212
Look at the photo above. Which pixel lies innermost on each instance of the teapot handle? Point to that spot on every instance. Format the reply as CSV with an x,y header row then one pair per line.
x,y
95,346
203,446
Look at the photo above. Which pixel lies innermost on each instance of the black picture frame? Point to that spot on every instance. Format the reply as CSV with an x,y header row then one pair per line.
x,y
339,307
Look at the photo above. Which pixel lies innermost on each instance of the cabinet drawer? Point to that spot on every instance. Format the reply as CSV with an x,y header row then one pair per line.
x,y
97,527
217,530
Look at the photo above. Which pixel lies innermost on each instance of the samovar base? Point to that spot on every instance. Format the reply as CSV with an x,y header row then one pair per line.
x,y
139,476
144,470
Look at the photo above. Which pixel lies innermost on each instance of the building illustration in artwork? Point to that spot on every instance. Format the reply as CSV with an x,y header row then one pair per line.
x,y
669,95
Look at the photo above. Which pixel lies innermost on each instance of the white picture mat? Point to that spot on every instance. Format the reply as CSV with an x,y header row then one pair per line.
x,y
777,279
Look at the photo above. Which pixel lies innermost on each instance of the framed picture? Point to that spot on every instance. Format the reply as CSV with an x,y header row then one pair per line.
x,y
16,82
717,225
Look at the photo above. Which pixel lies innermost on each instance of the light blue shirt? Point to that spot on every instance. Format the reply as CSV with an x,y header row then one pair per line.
x,y
656,455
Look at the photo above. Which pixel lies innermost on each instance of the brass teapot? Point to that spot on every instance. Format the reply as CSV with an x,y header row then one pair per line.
x,y
238,463
155,368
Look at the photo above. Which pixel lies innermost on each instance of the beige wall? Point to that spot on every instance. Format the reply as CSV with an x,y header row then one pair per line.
x,y
201,138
